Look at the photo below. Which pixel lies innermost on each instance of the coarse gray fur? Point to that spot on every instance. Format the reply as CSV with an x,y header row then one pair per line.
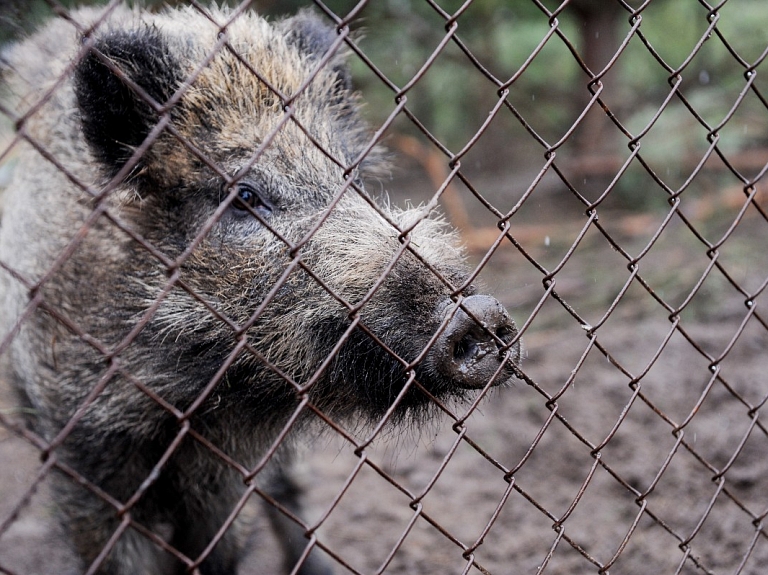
x,y
104,316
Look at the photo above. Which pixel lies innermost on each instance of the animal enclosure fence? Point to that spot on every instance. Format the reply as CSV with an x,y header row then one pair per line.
x,y
609,183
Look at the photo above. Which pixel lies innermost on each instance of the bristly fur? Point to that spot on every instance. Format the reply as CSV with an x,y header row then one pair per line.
x,y
241,298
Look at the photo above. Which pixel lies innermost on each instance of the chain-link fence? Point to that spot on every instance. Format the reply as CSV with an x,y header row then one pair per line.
x,y
226,350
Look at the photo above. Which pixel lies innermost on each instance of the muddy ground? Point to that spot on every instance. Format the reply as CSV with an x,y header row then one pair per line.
x,y
650,460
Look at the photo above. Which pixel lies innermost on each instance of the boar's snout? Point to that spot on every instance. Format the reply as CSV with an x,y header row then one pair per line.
x,y
474,347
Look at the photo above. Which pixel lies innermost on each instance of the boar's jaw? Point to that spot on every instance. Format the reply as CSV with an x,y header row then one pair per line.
x,y
465,356
366,379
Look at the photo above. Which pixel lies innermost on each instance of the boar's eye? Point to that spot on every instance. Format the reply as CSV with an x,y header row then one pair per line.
x,y
249,200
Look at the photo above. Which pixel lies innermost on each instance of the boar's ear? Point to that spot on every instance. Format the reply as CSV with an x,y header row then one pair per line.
x,y
115,117
314,37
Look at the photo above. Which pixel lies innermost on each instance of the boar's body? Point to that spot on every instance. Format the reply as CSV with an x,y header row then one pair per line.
x,y
159,274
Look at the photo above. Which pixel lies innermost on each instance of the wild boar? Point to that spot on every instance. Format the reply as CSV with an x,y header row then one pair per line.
x,y
191,266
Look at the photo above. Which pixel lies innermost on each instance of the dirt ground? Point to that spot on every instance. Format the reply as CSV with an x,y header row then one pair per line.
x,y
649,460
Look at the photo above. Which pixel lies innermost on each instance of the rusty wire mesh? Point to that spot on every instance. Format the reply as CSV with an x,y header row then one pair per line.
x,y
633,441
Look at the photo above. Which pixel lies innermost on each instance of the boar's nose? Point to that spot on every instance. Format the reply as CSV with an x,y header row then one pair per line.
x,y
472,348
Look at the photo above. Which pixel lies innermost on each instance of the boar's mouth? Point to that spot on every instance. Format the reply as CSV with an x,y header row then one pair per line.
x,y
465,356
